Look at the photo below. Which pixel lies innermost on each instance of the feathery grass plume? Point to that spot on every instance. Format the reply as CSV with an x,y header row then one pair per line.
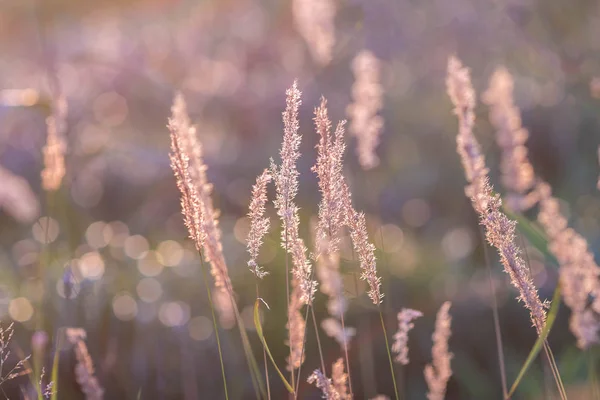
x,y
190,201
56,146
340,379
314,20
285,177
324,383
296,327
84,369
16,197
223,305
356,222
328,272
400,346
329,166
517,172
578,271
20,368
499,230
439,371
259,224
201,218
367,96
335,209
333,328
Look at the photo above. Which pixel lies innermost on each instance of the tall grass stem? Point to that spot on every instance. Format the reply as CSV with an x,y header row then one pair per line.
x,y
216,328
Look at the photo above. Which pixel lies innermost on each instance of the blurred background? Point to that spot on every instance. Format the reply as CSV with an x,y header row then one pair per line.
x,y
138,289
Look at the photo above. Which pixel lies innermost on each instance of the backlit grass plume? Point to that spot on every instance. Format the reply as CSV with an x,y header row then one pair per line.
x,y
499,230
400,346
322,382
578,270
439,371
296,326
367,100
200,217
55,148
285,177
259,224
314,20
84,369
517,173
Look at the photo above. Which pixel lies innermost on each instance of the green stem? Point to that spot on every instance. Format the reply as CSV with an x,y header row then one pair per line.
x,y
214,318
387,348
264,354
252,364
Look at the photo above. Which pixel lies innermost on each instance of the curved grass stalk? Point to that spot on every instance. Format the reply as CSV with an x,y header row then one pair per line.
x,y
539,343
264,355
387,348
261,336
497,331
251,360
214,319
54,373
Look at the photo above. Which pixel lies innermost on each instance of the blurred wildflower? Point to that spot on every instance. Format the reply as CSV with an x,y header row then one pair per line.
x,y
517,172
314,20
499,230
17,198
367,95
324,383
84,369
328,272
224,306
19,97
595,87
578,271
285,177
340,379
333,328
400,346
56,146
259,224
439,371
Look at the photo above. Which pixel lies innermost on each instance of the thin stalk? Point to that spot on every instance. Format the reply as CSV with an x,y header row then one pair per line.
x,y
387,348
312,311
383,258
555,371
287,297
593,376
259,390
547,350
301,353
345,341
497,331
264,355
347,359
214,318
